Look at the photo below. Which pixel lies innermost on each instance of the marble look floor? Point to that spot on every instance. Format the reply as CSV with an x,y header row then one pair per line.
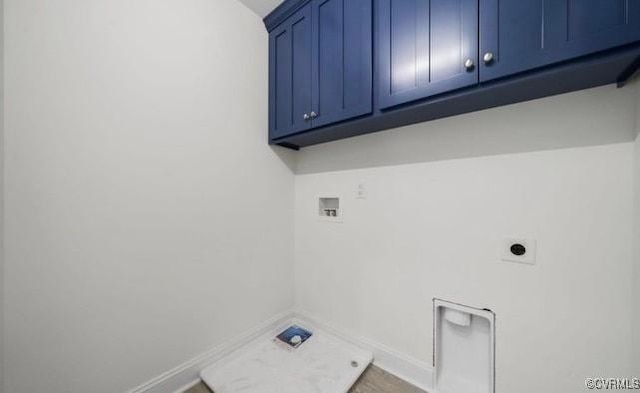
x,y
374,380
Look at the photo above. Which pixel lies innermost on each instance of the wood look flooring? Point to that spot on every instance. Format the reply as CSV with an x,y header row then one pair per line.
x,y
374,380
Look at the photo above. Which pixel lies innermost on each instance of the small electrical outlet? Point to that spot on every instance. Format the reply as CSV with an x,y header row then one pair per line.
x,y
361,191
519,250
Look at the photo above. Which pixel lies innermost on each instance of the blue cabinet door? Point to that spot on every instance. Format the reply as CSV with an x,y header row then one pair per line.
x,y
290,50
342,60
426,47
522,35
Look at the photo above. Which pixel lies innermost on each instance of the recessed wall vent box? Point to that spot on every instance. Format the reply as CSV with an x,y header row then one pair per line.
x,y
464,349
329,209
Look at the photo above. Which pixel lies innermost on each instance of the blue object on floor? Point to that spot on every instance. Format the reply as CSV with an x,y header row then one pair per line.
x,y
294,336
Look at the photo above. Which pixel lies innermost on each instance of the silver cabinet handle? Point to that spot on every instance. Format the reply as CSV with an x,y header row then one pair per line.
x,y
314,115
468,64
488,57
306,116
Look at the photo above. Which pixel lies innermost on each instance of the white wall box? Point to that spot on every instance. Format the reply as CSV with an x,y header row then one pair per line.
x,y
329,209
464,349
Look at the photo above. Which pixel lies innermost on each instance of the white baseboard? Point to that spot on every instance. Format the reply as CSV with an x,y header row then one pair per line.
x,y
188,374
413,371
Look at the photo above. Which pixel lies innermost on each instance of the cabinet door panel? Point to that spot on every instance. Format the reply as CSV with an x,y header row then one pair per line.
x,y
290,75
281,48
446,39
586,18
423,48
526,34
342,60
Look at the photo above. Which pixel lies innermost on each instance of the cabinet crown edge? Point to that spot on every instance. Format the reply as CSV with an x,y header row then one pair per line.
x,y
282,12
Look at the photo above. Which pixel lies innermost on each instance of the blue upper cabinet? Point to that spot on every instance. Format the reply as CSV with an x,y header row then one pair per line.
x,y
342,60
290,70
341,68
321,66
521,35
426,47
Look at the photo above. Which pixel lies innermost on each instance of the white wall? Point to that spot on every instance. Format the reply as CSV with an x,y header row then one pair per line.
x,y
147,220
603,115
2,196
636,236
433,227
261,7
637,255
